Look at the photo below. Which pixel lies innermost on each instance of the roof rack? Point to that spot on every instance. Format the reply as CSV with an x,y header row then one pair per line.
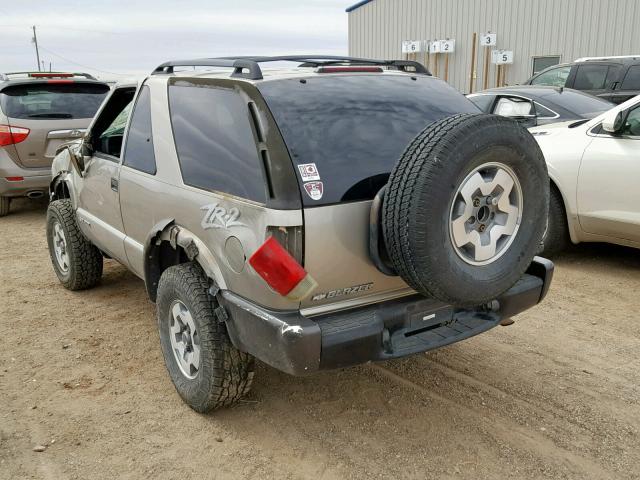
x,y
612,57
249,68
6,76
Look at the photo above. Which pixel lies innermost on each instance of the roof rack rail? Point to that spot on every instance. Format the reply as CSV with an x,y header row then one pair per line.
x,y
49,74
611,57
253,71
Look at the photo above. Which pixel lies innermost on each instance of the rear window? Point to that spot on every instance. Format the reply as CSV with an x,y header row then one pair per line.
x,y
50,100
579,103
345,133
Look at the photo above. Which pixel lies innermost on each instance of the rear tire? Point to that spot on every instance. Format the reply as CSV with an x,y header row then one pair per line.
x,y
76,261
206,369
556,235
5,203
465,208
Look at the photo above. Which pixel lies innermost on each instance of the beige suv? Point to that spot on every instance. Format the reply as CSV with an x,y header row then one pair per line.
x,y
341,211
38,112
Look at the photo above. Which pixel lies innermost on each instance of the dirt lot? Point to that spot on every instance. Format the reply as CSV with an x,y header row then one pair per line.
x,y
557,395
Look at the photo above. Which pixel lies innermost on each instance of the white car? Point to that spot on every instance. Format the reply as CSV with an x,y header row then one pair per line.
x,y
594,167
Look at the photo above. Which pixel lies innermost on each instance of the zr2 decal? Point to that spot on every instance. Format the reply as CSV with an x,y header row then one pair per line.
x,y
219,217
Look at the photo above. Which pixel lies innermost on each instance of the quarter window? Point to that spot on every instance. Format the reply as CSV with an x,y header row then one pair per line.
x,y
138,153
214,141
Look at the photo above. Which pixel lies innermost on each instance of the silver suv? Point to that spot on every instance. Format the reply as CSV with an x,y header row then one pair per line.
x,y
38,112
316,217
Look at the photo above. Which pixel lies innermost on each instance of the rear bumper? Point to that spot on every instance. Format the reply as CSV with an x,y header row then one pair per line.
x,y
298,345
33,179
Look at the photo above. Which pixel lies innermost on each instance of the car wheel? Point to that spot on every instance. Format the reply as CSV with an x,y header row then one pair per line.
x,y
76,261
206,369
465,208
556,235
5,203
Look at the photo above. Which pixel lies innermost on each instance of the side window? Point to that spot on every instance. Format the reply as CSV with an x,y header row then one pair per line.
x,y
214,140
138,151
632,79
591,77
483,102
108,131
632,124
555,77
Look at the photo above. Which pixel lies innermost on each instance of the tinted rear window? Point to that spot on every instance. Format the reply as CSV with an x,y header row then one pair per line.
x,y
579,103
355,128
49,100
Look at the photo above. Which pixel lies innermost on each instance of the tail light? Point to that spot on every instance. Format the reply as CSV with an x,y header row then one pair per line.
x,y
349,69
11,135
281,271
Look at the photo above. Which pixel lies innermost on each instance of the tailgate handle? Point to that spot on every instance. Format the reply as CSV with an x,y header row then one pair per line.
x,y
114,184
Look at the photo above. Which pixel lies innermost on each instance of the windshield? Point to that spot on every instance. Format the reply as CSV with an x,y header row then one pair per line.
x,y
52,100
582,104
345,133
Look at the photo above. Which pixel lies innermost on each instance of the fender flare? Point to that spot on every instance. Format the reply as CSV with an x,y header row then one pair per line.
x,y
167,231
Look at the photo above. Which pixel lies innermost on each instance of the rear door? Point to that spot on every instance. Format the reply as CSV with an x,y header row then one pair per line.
x,y
54,111
345,134
628,86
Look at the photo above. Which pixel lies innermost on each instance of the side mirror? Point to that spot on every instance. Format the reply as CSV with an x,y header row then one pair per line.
x,y
613,121
77,160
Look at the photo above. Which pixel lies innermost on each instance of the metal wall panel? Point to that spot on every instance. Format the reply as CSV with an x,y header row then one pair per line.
x,y
569,28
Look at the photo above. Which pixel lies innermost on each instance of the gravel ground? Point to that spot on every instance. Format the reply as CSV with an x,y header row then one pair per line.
x,y
556,395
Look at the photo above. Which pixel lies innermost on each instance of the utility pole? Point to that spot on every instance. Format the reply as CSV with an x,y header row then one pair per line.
x,y
35,41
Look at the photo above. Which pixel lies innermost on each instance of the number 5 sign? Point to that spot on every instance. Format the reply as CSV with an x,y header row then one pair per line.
x,y
502,57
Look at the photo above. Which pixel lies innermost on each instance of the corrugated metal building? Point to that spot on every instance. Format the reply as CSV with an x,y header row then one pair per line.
x,y
539,32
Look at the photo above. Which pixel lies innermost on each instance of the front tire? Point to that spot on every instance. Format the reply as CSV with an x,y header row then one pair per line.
x,y
206,369
556,235
76,261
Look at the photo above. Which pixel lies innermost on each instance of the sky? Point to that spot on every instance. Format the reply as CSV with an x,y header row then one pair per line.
x,y
117,38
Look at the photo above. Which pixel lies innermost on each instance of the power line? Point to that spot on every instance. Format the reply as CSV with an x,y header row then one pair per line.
x,y
80,64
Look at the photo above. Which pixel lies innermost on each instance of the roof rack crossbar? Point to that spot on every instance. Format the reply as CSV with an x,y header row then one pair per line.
x,y
253,71
238,65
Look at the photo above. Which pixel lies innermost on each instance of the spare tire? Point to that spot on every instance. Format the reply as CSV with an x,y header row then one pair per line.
x,y
465,208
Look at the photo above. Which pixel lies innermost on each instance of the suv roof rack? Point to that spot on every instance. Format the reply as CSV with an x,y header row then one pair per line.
x,y
6,76
612,57
253,71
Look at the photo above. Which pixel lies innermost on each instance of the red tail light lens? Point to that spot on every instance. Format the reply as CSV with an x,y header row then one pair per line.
x,y
349,69
50,74
12,135
14,179
281,271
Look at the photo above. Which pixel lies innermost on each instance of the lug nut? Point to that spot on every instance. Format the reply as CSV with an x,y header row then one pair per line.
x,y
476,202
482,227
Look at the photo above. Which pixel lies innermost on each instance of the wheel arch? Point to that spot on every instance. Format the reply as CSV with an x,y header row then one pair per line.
x,y
571,221
170,244
59,187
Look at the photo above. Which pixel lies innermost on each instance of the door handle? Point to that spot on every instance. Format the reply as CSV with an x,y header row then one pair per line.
x,y
114,184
